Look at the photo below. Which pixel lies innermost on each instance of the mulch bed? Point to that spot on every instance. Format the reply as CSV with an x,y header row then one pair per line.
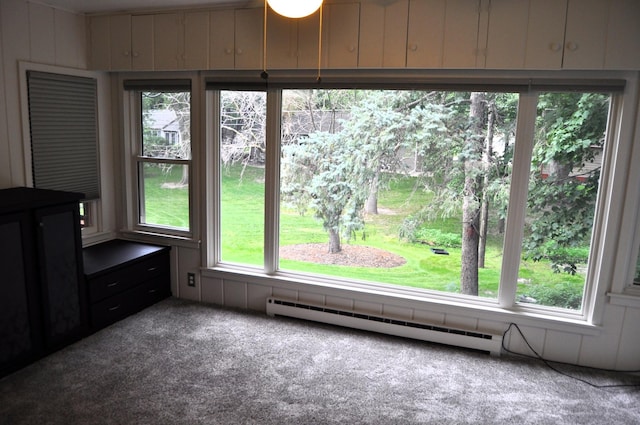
x,y
351,255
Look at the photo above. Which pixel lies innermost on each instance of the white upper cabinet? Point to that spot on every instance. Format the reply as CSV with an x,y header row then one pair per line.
x,y
545,34
461,30
196,41
383,34
585,34
425,33
121,42
167,41
340,30
623,36
507,17
236,39
292,43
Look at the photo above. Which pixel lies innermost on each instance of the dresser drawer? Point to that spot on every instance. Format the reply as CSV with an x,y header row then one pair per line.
x,y
124,304
112,309
125,278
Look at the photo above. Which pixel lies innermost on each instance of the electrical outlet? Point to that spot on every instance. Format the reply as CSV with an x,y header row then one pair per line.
x,y
191,279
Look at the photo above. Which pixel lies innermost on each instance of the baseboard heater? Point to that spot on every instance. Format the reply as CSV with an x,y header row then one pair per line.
x,y
391,326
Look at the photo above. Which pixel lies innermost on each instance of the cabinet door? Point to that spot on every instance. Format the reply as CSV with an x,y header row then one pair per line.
x,y
585,34
507,34
623,39
340,35
120,37
99,42
167,37
221,39
545,34
61,275
142,42
196,40
249,33
282,41
292,43
19,318
425,33
308,41
461,25
383,34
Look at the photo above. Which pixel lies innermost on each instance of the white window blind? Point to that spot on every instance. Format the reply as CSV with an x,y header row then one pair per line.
x,y
63,123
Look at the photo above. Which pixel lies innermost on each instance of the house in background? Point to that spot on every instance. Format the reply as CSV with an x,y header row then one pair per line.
x,y
512,42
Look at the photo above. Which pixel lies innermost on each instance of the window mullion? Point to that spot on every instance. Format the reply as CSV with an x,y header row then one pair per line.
x,y
527,107
272,181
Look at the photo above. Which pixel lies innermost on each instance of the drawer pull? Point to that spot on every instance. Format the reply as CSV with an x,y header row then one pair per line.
x,y
150,269
152,291
112,284
114,308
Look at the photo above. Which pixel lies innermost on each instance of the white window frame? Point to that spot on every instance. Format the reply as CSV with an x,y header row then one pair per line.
x,y
615,236
132,116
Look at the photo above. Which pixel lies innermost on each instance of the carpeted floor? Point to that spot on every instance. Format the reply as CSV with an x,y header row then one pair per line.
x,y
180,362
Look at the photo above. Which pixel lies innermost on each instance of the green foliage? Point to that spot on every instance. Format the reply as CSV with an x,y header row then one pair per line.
x,y
323,174
561,205
438,238
562,295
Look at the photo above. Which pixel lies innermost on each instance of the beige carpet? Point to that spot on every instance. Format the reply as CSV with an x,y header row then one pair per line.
x,y
180,362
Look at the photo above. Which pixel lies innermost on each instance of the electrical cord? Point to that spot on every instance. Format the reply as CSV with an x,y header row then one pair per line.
x,y
549,364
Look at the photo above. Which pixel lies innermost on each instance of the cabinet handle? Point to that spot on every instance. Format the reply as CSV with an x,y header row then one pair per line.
x,y
555,47
228,51
136,54
150,269
114,308
126,53
112,284
351,49
572,46
239,51
152,291
413,47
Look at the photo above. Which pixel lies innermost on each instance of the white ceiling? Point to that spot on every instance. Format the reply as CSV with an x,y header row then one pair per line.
x,y
97,6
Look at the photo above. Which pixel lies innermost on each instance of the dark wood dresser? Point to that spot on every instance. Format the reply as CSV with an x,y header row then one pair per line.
x,y
124,277
42,291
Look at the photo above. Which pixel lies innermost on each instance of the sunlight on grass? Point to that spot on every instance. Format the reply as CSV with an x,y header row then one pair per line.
x,y
243,238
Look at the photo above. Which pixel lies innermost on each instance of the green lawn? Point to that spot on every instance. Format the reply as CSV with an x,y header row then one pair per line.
x,y
242,237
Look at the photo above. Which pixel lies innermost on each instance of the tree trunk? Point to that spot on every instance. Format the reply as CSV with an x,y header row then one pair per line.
x,y
471,198
371,206
484,209
334,241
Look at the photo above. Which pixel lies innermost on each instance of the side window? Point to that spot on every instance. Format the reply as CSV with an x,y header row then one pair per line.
x,y
163,159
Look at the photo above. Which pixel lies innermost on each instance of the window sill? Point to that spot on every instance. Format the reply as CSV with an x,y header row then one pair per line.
x,y
160,238
407,297
629,298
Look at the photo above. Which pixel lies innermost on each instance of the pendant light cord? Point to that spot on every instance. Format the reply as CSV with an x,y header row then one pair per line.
x,y
319,78
265,74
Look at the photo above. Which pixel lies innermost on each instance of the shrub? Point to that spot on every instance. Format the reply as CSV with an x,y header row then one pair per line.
x,y
563,295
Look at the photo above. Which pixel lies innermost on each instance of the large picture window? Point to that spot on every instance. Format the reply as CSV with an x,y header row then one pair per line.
x,y
471,194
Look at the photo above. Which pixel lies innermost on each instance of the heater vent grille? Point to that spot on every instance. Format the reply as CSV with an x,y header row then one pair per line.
x,y
393,326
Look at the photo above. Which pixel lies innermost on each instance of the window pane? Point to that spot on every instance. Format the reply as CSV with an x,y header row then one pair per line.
x,y
242,137
164,195
398,187
563,187
85,214
166,124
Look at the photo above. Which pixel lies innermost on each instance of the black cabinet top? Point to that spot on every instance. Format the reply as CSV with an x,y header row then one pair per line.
x,y
117,252
22,198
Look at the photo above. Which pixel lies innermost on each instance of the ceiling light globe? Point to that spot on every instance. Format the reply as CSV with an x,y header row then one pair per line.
x,y
294,8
